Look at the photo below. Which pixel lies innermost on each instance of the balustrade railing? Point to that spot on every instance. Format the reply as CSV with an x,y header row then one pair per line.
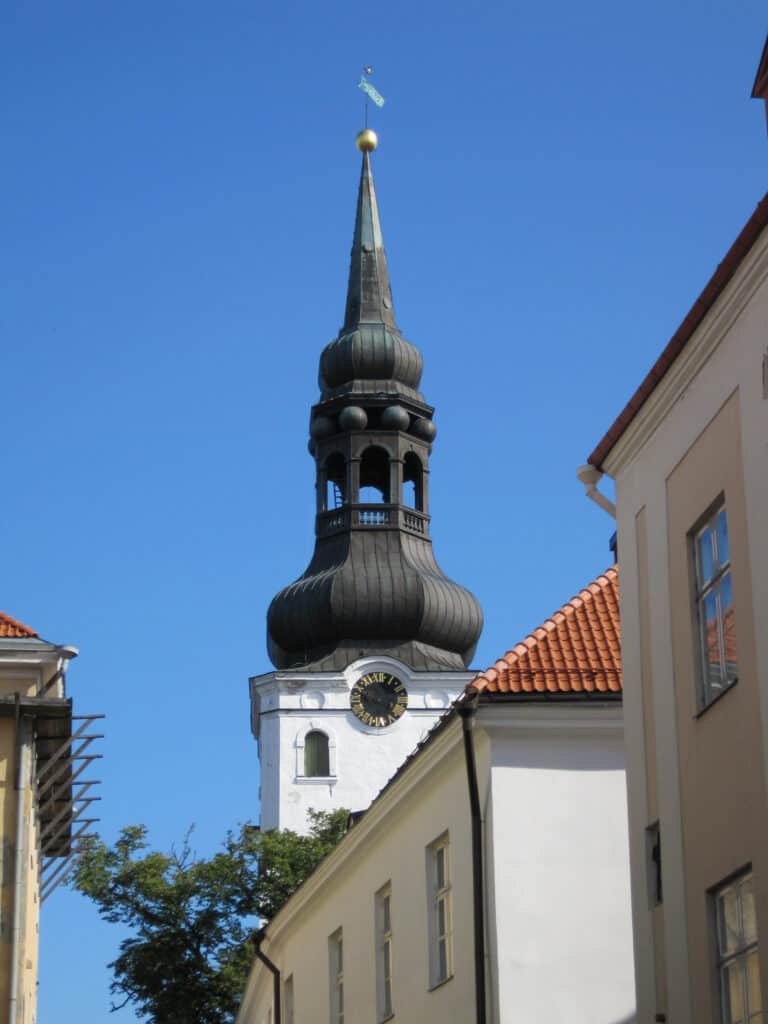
x,y
372,516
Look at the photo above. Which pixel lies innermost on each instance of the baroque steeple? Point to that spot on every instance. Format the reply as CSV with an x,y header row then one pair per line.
x,y
369,296
373,585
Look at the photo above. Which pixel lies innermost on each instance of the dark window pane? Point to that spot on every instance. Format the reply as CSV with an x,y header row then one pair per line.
x,y
442,960
721,531
734,993
729,931
753,986
440,866
729,630
316,754
706,557
748,915
711,643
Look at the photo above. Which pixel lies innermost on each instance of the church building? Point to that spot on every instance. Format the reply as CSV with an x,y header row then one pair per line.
x,y
372,643
486,875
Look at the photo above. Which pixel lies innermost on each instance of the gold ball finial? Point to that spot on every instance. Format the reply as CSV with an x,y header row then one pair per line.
x,y
367,140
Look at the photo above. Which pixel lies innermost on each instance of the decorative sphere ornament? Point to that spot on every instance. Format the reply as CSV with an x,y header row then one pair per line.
x,y
367,140
395,417
322,426
353,418
424,429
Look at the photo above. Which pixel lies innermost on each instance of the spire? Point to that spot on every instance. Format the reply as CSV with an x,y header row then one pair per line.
x,y
373,585
369,296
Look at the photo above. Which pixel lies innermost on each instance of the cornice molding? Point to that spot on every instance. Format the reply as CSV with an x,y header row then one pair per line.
x,y
737,294
292,681
579,719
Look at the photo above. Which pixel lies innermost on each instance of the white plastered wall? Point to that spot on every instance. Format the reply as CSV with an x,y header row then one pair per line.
x,y
363,758
562,941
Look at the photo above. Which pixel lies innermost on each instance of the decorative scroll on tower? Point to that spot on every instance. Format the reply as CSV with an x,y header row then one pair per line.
x,y
373,585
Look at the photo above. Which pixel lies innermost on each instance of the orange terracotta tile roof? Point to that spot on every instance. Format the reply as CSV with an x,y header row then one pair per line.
x,y
10,627
575,651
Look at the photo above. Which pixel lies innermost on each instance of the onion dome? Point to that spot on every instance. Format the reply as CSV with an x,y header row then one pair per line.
x,y
374,592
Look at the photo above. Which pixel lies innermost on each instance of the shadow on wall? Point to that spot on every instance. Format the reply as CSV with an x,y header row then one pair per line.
x,y
631,1019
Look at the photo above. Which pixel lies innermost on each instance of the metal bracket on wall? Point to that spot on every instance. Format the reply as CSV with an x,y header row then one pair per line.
x,y
62,800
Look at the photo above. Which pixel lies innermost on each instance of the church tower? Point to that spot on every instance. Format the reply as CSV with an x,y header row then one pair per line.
x,y
373,641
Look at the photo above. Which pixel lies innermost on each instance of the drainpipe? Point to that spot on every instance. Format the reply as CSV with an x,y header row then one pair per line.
x,y
258,938
467,711
21,852
591,477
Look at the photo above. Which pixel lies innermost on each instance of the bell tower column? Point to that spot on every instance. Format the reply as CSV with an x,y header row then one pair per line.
x,y
373,641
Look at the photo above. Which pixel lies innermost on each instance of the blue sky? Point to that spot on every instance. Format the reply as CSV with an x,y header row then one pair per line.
x,y
556,182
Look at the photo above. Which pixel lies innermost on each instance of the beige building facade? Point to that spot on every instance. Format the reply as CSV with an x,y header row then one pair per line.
x,y
39,801
689,457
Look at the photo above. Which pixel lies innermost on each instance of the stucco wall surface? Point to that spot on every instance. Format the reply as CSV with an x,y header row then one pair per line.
x,y
363,759
393,852
563,943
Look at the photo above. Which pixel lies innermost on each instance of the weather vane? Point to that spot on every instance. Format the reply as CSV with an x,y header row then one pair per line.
x,y
367,140
370,91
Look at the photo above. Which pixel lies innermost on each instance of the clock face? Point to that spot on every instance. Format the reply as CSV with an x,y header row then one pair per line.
x,y
378,699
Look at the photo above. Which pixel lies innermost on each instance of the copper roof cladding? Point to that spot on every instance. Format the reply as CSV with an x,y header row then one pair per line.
x,y
725,271
574,652
373,585
10,627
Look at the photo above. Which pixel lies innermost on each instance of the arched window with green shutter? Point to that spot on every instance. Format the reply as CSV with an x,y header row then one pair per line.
x,y
317,760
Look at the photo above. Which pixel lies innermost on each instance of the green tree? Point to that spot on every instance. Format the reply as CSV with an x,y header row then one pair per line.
x,y
189,952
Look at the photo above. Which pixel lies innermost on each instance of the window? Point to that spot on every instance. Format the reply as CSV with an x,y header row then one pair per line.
x,y
317,761
335,481
413,482
288,1000
336,964
383,917
714,607
440,924
737,960
374,476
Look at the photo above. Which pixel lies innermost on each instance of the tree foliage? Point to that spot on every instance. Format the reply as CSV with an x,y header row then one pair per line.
x,y
189,952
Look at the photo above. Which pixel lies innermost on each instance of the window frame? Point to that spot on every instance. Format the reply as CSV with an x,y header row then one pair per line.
x,y
440,896
746,948
703,588
385,1008
319,754
289,1006
315,725
336,976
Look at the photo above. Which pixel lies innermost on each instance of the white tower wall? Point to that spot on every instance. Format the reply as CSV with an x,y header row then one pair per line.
x,y
286,705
